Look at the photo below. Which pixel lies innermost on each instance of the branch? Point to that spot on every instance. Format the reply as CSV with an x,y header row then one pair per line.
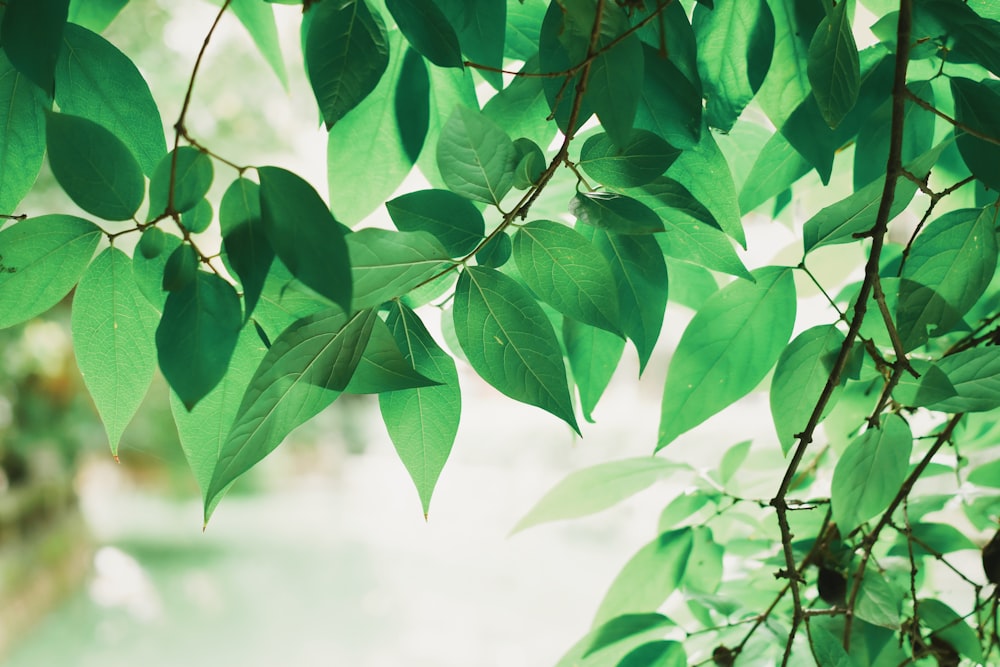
x,y
958,124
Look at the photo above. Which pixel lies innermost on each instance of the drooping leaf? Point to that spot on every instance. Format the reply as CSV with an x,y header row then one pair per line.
x,y
975,375
593,357
244,240
616,76
258,19
669,104
452,219
869,473
412,104
98,82
346,53
449,87
192,177
615,213
476,157
834,67
975,35
640,160
152,242
197,335
383,368
94,167
426,28
562,44
422,422
386,264
304,234
22,134
975,106
40,261
305,369
31,34
509,341
113,328
727,349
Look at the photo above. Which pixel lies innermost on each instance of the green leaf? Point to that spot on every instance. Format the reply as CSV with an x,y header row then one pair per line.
x,y
975,375
427,29
94,15
944,623
869,473
878,600
41,259
727,349
203,429
975,106
148,271
593,357
283,300
690,285
196,336
521,109
476,157
94,167
22,135
948,269
562,44
481,27
31,35
649,577
244,240
616,76
872,150
834,67
974,36
615,213
383,368
799,378
258,19
496,251
595,489
787,82
987,474
304,235
191,181
663,653
152,242
530,163
452,219
607,644
422,422
386,264
931,387
776,168
828,649
304,370
180,269
727,35
199,218
640,160
932,539
669,104
113,340
346,52
509,341
566,271
368,155
98,82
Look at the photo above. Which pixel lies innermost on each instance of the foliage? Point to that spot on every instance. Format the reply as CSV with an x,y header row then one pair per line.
x,y
676,122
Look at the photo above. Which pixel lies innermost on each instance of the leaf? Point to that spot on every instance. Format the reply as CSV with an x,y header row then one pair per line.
x,y
383,368
828,649
31,35
305,369
799,378
787,82
412,104
567,272
452,219
180,269
878,601
949,267
872,149
834,67
422,422
148,272
152,242
427,29
776,168
476,157
643,157
593,357
975,106
196,336
669,104
41,259
615,213
931,387
987,474
509,341
663,653
94,15
932,539
22,135
304,235
192,178
244,240
727,349
98,82
975,375
974,36
595,489
346,51
198,219
616,77
386,264
947,625
869,473
690,284
521,109
649,577
562,44
94,167
481,26
113,328
258,19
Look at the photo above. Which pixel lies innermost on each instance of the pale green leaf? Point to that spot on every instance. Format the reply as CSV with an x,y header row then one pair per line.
x,y
387,264
453,220
975,376
593,357
476,157
192,177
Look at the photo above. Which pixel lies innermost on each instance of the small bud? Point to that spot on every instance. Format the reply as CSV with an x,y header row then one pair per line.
x,y
991,559
832,586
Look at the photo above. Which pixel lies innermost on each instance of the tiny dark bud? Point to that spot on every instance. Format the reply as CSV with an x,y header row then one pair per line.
x,y
723,656
832,586
991,559
944,653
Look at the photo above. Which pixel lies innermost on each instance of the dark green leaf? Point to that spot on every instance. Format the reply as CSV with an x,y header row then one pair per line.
x,y
31,35
616,76
642,158
304,235
247,251
180,269
22,135
663,653
593,357
509,341
872,150
615,213
427,29
192,178
496,251
975,36
258,19
383,368
975,106
152,242
530,163
481,26
413,104
386,264
727,349
452,219
346,52
975,375
94,167
834,67
949,626
476,157
562,44
198,219
669,104
41,259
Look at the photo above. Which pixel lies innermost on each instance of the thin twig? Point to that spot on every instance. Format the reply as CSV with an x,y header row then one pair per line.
x,y
958,124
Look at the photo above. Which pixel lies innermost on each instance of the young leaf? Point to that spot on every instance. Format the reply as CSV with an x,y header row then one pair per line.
x,y
427,29
727,349
649,577
386,264
422,422
31,34
258,19
346,53
509,341
615,213
595,489
304,370
870,472
383,368
476,157
22,134
152,242
191,181
975,375
94,167
975,106
41,259
98,82
643,157
197,334
834,67
593,357
452,219
567,271
304,235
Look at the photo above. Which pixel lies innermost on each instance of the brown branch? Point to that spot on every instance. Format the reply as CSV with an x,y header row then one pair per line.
x,y
958,124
